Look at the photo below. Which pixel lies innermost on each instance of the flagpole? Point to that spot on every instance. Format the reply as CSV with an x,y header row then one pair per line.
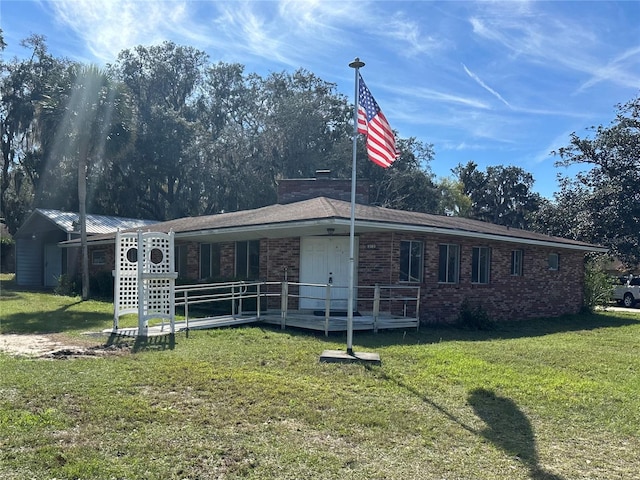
x,y
349,355
356,65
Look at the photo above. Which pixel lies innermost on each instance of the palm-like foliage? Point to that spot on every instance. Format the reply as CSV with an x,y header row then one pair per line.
x,y
87,121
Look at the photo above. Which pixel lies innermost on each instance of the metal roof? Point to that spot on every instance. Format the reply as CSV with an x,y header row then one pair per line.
x,y
96,224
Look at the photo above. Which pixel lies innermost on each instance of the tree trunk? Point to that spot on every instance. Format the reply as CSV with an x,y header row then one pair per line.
x,y
82,200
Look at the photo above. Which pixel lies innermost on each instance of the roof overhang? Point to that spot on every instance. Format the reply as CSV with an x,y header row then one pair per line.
x,y
341,226
485,236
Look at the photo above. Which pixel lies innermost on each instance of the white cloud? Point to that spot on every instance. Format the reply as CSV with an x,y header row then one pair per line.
x,y
319,16
559,141
620,70
290,32
556,41
109,27
238,27
408,32
485,86
421,93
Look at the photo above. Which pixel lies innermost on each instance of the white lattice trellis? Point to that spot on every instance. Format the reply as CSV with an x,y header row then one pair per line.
x,y
145,278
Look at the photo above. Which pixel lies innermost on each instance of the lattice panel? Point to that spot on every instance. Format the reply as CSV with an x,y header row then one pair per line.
x,y
157,298
157,268
145,277
126,294
157,253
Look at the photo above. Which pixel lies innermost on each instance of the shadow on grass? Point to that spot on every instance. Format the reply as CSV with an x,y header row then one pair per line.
x,y
504,330
507,427
140,344
54,321
8,294
159,342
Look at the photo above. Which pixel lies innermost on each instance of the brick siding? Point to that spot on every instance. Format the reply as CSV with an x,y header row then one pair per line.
x,y
295,190
539,292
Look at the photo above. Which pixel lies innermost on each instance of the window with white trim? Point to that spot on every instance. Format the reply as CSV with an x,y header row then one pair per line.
x,y
209,260
480,264
411,261
449,263
517,257
248,259
180,260
99,257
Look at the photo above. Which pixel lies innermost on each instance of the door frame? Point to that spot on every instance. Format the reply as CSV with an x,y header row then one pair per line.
x,y
340,295
52,256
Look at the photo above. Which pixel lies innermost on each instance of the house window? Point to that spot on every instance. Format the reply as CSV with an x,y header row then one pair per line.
x,y
180,256
411,261
449,264
248,259
99,257
209,260
480,264
516,262
554,261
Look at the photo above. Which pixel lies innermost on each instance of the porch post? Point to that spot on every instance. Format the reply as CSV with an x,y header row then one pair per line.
x,y
284,301
327,309
258,299
418,311
233,299
376,307
186,309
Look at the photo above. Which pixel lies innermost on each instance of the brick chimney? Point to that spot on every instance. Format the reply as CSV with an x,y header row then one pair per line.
x,y
296,189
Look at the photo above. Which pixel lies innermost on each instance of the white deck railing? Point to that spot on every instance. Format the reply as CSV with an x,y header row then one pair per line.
x,y
389,301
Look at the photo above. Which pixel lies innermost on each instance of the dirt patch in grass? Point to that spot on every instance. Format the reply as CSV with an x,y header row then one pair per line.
x,y
57,346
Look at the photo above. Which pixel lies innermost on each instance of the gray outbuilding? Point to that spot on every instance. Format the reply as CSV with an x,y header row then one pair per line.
x,y
39,259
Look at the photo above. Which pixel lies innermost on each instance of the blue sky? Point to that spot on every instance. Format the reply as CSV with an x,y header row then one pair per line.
x,y
499,83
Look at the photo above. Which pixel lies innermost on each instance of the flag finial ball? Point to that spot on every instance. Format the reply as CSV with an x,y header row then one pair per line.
x,y
356,63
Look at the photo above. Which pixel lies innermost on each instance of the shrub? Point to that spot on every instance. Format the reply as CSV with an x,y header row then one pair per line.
x,y
67,286
597,285
101,285
474,318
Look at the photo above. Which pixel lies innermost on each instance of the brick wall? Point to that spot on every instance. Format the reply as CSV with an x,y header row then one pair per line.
x,y
109,265
295,190
539,292
280,258
193,260
227,259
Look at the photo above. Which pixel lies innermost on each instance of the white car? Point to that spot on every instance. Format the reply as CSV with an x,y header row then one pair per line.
x,y
628,292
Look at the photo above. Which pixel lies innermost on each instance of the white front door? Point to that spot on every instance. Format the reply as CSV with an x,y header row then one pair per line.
x,y
325,260
52,264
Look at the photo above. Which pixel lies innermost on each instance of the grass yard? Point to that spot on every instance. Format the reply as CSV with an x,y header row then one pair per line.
x,y
555,399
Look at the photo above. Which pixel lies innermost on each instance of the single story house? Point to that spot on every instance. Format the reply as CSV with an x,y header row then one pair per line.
x,y
39,259
511,273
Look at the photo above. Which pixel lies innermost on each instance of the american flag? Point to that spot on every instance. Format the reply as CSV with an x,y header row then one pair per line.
x,y
381,144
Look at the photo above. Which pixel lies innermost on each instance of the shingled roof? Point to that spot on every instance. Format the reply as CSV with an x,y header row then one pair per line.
x,y
326,212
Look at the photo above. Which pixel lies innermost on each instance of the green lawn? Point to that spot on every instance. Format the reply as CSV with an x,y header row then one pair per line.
x,y
545,399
